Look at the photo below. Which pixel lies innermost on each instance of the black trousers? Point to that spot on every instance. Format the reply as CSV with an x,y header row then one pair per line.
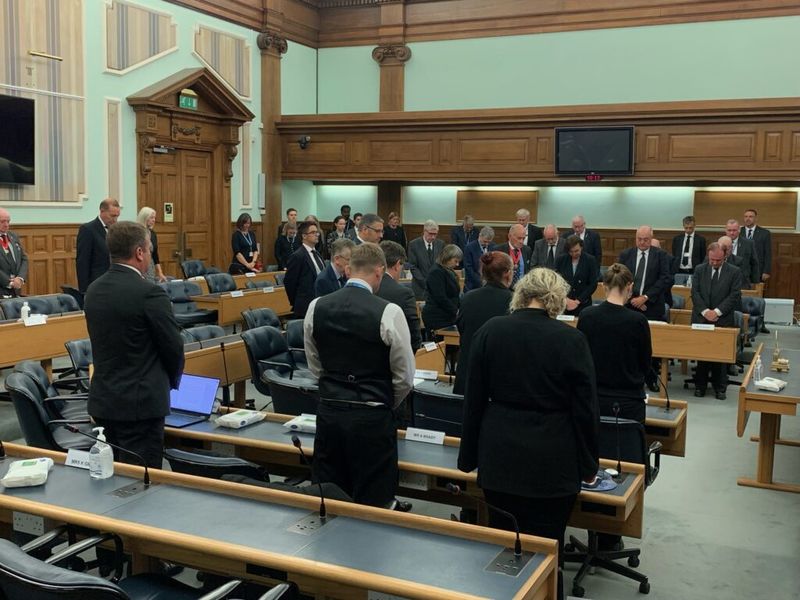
x,y
356,448
719,375
545,517
145,437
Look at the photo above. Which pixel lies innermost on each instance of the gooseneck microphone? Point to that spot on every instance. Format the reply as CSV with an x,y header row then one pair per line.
x,y
615,408
146,479
444,355
666,393
226,392
323,513
456,491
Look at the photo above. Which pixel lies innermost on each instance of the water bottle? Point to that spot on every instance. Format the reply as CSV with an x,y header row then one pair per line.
x,y
689,281
759,369
25,311
101,457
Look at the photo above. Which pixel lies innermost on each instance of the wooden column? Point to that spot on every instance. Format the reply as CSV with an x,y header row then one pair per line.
x,y
272,46
389,199
392,59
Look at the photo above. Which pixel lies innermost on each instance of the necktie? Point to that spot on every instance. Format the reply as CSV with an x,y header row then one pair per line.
x,y
551,257
4,240
714,278
749,234
638,279
735,246
685,260
318,260
484,249
517,265
342,281
430,253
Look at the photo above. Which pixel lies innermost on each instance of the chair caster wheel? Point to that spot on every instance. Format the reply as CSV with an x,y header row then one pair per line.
x,y
578,591
686,386
569,547
633,561
644,587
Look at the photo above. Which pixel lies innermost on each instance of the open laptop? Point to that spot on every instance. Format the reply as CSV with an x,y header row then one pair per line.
x,y
192,402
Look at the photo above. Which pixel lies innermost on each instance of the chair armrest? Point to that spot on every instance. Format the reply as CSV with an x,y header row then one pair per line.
x,y
652,469
45,539
91,542
277,363
295,481
63,382
222,591
58,422
68,398
279,591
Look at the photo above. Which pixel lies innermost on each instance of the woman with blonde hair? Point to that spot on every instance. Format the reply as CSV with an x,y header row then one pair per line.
x,y
147,217
530,410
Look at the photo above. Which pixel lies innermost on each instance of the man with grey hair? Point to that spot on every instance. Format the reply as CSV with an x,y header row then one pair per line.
x,y
745,250
547,250
333,277
358,346
520,253
461,235
472,258
591,239
370,229
422,254
13,260
726,245
652,275
532,232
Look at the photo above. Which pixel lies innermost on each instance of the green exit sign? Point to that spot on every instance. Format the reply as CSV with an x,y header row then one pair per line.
x,y
187,101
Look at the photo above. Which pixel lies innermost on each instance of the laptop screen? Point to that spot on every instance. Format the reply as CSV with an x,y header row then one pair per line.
x,y
195,394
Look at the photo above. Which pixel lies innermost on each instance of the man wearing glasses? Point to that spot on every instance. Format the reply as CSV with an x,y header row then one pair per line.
x,y
370,229
302,269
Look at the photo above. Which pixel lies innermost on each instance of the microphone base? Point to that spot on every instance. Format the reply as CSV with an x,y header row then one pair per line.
x,y
310,524
131,489
507,563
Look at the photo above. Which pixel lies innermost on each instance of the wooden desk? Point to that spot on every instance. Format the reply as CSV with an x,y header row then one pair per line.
x,y
669,428
431,361
241,280
361,550
41,342
231,367
425,471
229,308
772,407
686,293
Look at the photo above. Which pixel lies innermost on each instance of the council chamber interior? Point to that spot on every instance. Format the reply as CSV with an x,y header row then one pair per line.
x,y
206,110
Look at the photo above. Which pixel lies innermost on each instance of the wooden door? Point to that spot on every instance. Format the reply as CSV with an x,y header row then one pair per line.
x,y
165,189
195,209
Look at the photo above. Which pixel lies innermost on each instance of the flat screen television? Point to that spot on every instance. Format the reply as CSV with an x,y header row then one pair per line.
x,y
17,136
600,150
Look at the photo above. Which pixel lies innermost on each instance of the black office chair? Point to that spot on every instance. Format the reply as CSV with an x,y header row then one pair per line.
x,y
220,282
80,355
279,278
196,268
40,305
204,463
258,317
331,491
294,338
753,306
267,349
201,333
23,577
291,396
58,406
38,429
271,268
185,310
438,409
75,293
629,437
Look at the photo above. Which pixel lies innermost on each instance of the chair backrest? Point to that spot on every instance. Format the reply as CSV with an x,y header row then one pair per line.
x,y
279,278
681,278
80,353
292,396
257,285
220,282
42,305
271,268
266,343
75,293
204,463
438,411
294,333
23,577
678,301
36,371
632,443
754,306
32,417
179,293
201,333
193,268
258,317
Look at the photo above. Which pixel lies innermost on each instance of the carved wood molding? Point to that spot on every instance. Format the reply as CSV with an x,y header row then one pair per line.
x,y
146,144
391,54
272,42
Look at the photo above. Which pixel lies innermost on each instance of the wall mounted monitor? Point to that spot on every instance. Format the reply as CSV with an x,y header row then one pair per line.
x,y
17,140
600,150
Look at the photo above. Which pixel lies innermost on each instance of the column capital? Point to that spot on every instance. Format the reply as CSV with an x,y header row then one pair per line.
x,y
272,42
391,54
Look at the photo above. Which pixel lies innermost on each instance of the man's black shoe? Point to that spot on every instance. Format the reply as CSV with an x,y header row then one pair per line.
x,y
720,395
764,329
699,392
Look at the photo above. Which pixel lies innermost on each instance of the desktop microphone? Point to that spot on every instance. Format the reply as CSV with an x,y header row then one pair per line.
x,y
615,408
444,355
666,394
323,513
456,491
146,479
226,392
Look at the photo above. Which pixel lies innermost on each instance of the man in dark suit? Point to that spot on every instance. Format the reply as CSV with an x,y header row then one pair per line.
x,y
291,217
532,232
369,229
422,255
353,231
652,275
92,258
688,248
286,245
461,235
136,347
348,222
519,252
762,240
334,276
716,294
591,239
302,270
358,345
397,293
547,250
745,250
13,260
472,258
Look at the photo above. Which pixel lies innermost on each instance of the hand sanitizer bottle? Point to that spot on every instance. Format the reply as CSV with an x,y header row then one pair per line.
x,y
759,373
101,457
25,311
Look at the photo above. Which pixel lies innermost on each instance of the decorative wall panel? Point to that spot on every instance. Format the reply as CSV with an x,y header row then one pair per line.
x,y
227,55
136,35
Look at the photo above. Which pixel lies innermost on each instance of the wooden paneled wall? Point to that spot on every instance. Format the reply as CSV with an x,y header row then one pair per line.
x,y
700,141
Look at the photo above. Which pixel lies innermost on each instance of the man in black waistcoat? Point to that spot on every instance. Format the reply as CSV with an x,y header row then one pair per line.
x,y
358,345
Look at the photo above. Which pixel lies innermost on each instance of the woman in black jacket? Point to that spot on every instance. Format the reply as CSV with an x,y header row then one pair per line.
x,y
394,231
245,248
530,411
442,291
480,305
579,270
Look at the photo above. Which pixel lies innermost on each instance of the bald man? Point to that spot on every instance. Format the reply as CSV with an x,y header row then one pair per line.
x,y
547,250
591,239
652,275
519,252
13,260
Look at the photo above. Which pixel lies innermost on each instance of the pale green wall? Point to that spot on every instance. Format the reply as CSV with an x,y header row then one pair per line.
x,y
330,198
299,80
100,85
349,80
300,195
755,58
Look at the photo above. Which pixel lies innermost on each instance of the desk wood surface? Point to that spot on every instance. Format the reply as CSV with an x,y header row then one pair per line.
x,y
229,308
241,280
230,365
187,541
684,291
40,342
